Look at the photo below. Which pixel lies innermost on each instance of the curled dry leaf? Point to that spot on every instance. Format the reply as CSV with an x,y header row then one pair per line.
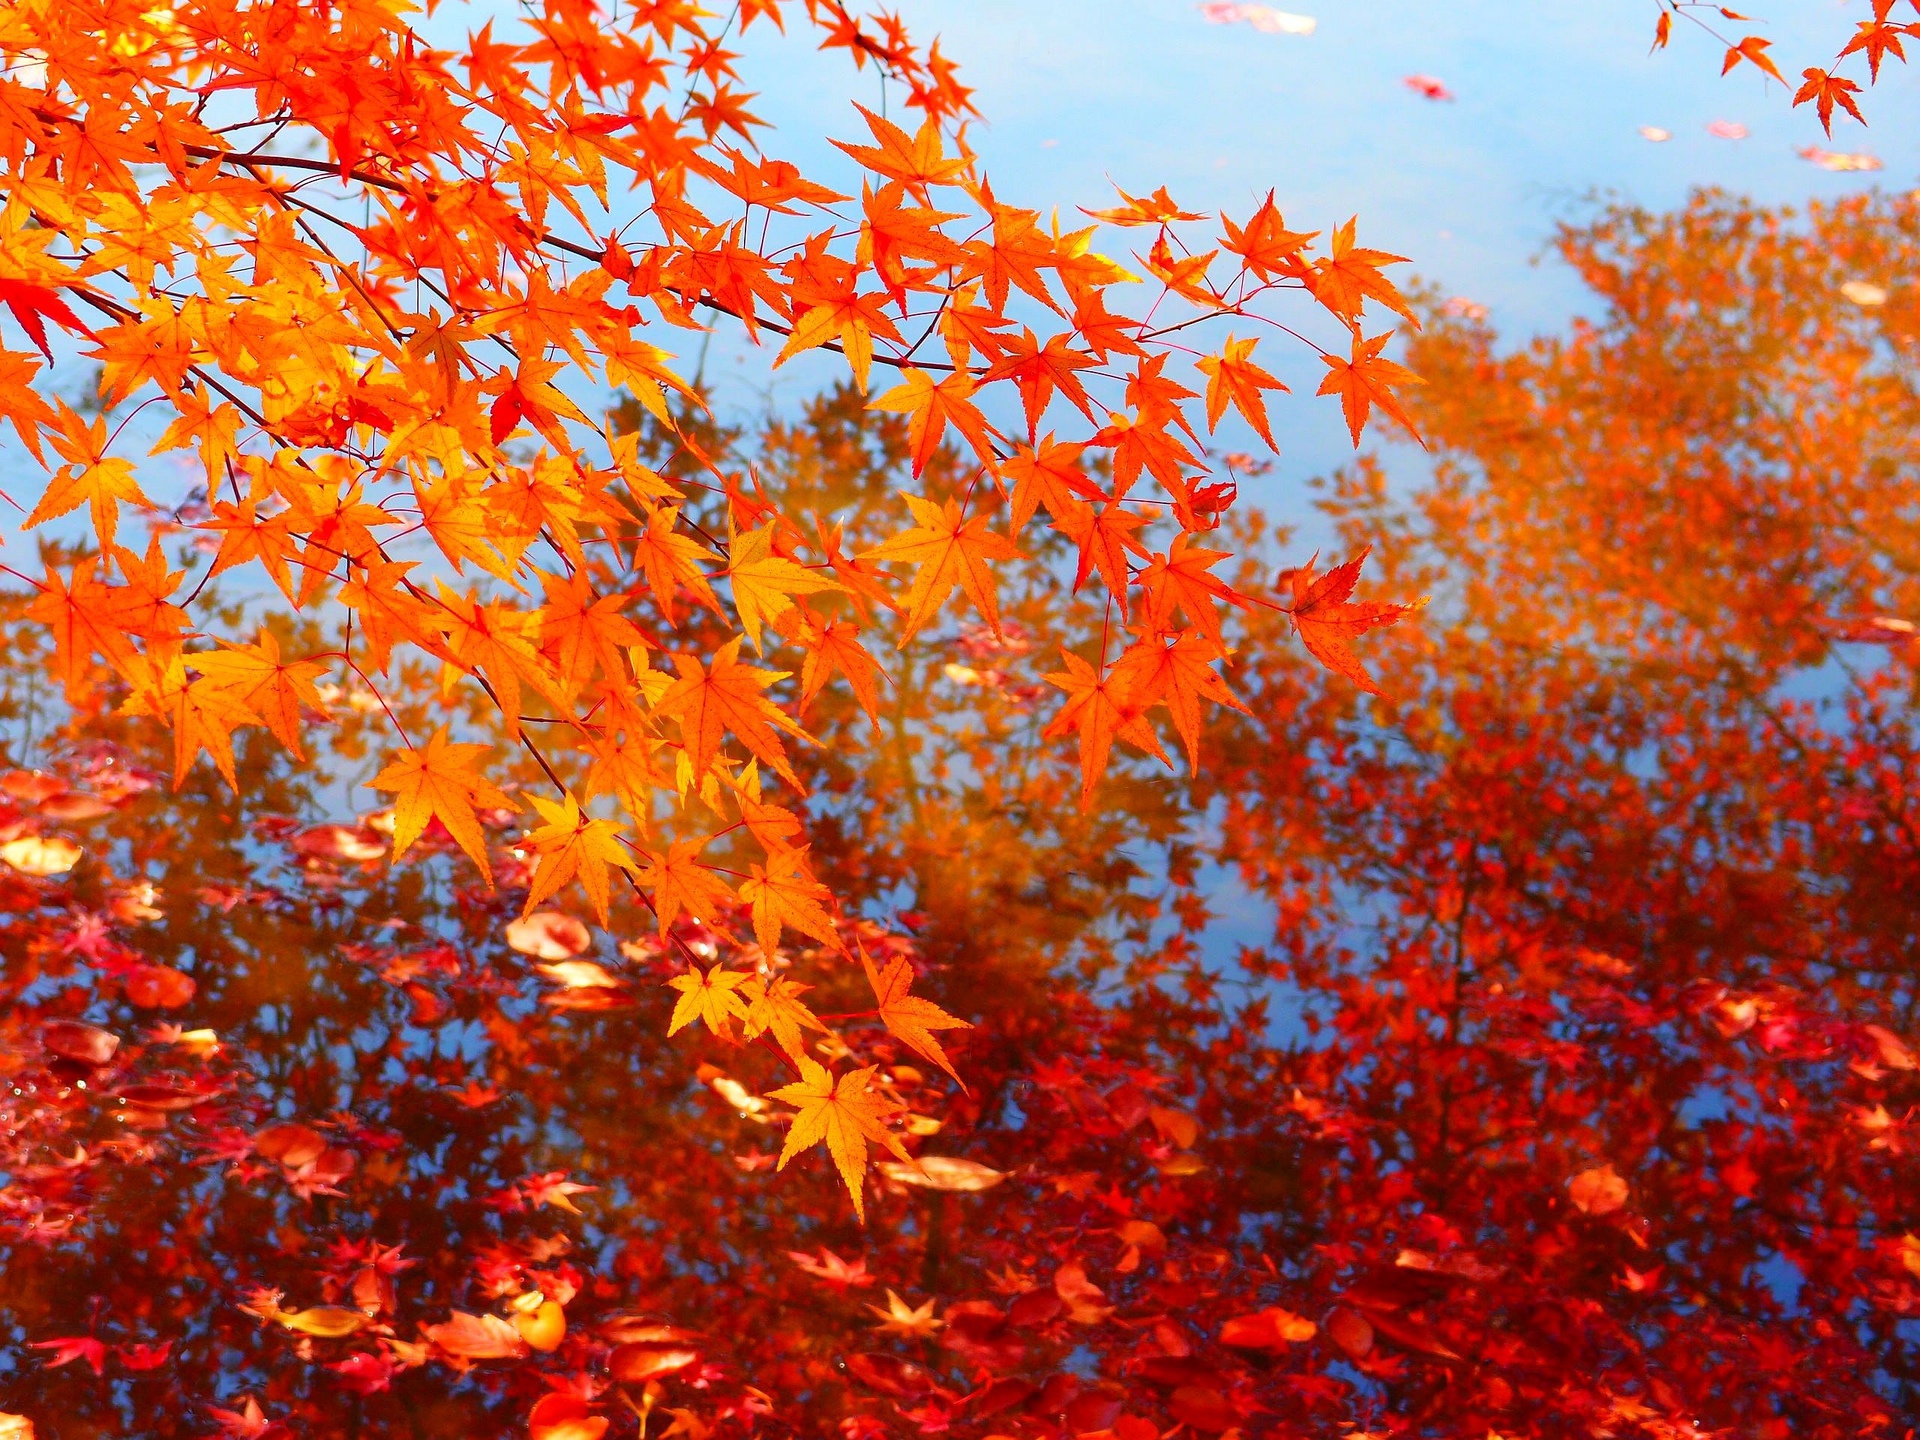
x,y
40,855
72,807
582,975
628,1329
1202,1407
324,1322
942,1172
476,1337
1598,1191
635,1364
352,843
290,1144
564,1417
549,935
31,787
158,987
73,1040
544,1327
1270,1329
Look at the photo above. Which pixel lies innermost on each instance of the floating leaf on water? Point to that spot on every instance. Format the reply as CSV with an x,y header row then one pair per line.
x,y
40,855
943,1172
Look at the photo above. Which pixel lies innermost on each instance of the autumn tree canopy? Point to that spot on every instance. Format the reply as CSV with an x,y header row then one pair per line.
x,y
1566,1094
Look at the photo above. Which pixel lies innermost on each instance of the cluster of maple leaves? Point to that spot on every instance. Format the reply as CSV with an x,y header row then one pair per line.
x,y
1820,86
371,285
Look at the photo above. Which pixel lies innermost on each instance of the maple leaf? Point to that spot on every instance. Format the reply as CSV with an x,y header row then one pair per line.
x,y
584,631
91,477
832,1269
1232,376
845,1115
85,619
572,844
441,781
528,394
763,582
949,550
1105,538
711,701
1099,707
932,405
264,683
1180,578
831,646
1366,381
679,882
712,998
202,716
910,1017
909,1322
1155,209
21,404
668,560
1048,473
853,320
783,893
33,305
1265,245
1326,619
1345,280
71,1348
492,639
1826,91
774,1005
1178,676
1753,49
212,430
917,162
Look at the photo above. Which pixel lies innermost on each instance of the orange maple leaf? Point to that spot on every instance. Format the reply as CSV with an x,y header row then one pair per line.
x,y
1232,376
912,1018
441,780
949,550
1368,380
712,997
265,683
1099,707
1345,280
1326,620
711,701
680,882
774,1005
782,893
931,406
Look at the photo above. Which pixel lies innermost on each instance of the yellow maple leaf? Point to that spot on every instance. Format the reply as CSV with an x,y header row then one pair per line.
x,y
712,998
679,882
907,1321
844,1114
775,1005
763,582
574,845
